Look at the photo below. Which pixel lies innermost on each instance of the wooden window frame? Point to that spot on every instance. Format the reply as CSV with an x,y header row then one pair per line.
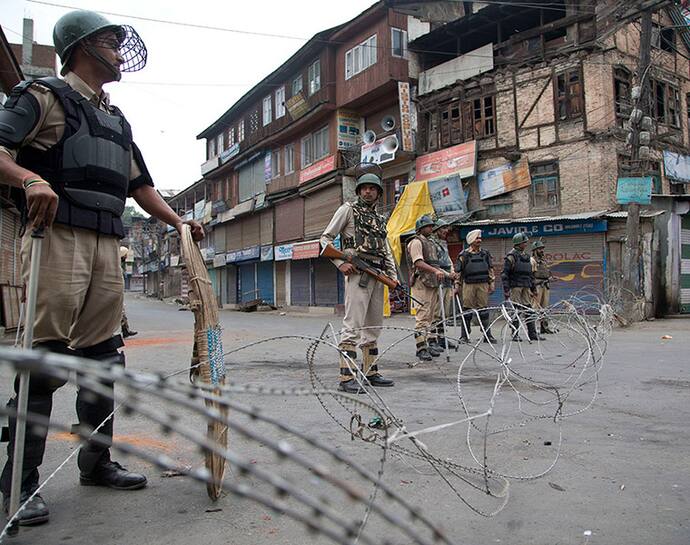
x,y
289,159
622,85
667,112
569,97
541,174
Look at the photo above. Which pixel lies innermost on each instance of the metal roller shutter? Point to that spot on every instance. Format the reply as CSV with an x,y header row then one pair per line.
x,y
233,236
300,282
325,283
264,273
319,208
267,227
577,261
280,282
685,264
247,284
289,220
10,243
498,247
231,280
251,231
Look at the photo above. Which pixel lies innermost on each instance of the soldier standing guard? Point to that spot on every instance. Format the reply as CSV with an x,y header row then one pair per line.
x,y
542,281
422,260
363,232
475,267
518,286
71,154
440,238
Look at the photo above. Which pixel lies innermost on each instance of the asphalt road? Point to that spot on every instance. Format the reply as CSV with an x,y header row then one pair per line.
x,y
623,474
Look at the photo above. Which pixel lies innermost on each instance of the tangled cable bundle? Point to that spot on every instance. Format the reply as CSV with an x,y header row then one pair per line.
x,y
501,405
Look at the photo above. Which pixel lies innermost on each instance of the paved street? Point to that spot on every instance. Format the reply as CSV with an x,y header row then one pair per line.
x,y
623,474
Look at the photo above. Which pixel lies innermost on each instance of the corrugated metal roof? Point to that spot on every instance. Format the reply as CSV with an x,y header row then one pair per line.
x,y
538,219
624,214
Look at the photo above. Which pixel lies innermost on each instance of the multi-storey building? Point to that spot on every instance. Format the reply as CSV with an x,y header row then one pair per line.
x,y
544,93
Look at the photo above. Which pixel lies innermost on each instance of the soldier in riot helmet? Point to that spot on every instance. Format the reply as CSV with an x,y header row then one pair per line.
x,y
363,233
475,267
423,263
542,281
440,237
71,156
518,286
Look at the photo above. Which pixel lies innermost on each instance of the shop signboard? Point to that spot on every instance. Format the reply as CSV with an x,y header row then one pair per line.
x,y
229,153
677,166
348,129
532,230
405,115
283,252
267,253
247,254
460,160
634,190
218,260
448,196
297,105
503,179
306,250
317,169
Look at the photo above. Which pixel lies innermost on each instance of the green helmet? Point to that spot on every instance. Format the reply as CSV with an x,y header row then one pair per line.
x,y
75,26
520,238
538,244
371,179
442,222
423,221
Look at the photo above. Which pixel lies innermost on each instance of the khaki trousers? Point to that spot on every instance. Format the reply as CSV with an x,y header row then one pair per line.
x,y
475,296
363,309
541,299
522,296
80,286
426,313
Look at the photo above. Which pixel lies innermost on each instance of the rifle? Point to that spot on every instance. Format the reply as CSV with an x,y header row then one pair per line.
x,y
332,252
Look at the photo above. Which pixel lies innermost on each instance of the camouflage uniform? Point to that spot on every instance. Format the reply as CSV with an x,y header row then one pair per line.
x,y
542,277
425,288
363,232
449,285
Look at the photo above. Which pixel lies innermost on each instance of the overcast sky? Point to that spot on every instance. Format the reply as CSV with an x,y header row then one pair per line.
x,y
193,75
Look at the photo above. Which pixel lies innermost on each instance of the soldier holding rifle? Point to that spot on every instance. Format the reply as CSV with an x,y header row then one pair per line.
x,y
366,250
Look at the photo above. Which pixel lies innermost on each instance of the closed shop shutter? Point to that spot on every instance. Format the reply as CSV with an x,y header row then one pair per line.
x,y
247,284
577,261
251,231
267,227
265,278
325,283
300,282
685,264
289,220
10,243
231,281
233,237
319,208
280,282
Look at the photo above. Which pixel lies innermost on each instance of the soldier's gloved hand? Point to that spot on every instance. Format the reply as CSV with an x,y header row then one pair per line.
x,y
42,203
347,269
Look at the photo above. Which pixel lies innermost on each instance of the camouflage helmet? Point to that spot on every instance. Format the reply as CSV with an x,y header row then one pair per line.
x,y
520,238
423,221
442,222
371,179
537,245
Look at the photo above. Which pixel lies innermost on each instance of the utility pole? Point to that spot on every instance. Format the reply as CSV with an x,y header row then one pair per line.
x,y
632,227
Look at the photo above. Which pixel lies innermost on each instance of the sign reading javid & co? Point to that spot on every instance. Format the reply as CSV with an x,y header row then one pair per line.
x,y
565,227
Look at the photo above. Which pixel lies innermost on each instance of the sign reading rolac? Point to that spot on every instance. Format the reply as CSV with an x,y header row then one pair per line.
x,y
317,169
460,160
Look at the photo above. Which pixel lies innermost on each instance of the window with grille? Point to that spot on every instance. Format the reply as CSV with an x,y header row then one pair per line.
x,y
240,130
569,99
254,121
545,188
231,136
483,115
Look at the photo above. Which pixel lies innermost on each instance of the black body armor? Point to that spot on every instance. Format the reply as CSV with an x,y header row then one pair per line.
x,y
475,267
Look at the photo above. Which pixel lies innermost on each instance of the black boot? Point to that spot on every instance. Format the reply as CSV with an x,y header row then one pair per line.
x,y
435,346
129,333
466,326
486,325
35,512
424,355
378,381
515,326
532,330
112,475
350,387
433,350
545,328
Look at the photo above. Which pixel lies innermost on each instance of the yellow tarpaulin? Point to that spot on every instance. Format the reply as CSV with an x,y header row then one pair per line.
x,y
414,202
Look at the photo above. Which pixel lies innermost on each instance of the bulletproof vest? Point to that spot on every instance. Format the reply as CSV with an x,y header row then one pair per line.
x,y
521,273
370,231
430,257
89,168
444,261
542,271
475,267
